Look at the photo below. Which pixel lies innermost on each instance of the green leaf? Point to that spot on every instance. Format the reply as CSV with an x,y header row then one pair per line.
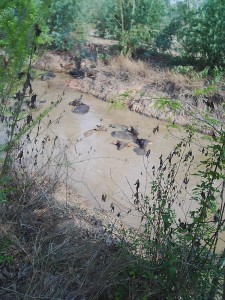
x,y
132,274
169,103
3,198
172,273
211,120
223,151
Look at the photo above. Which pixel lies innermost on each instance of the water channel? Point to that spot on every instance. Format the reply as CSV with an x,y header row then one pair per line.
x,y
92,165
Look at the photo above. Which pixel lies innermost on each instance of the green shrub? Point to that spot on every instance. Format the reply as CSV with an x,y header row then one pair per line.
x,y
198,31
64,23
134,23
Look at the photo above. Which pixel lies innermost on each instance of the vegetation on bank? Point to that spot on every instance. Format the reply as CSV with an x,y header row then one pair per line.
x,y
193,29
169,257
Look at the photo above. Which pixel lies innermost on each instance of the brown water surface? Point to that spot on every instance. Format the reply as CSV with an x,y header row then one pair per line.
x,y
93,165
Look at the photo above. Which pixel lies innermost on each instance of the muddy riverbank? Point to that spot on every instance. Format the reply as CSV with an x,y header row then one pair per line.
x,y
78,191
82,149
136,85
87,161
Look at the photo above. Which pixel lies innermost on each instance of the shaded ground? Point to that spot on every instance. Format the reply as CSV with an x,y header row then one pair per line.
x,y
55,247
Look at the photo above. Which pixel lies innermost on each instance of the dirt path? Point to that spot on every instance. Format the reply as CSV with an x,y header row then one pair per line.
x,y
93,39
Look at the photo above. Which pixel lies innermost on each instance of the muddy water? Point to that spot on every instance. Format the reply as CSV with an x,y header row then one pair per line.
x,y
93,165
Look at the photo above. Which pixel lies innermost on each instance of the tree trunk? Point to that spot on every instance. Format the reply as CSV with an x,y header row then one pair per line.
x,y
122,15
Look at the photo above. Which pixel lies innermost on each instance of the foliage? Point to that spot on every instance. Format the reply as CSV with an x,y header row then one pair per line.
x,y
163,103
20,37
199,30
64,23
211,76
204,37
177,17
134,23
19,26
177,255
119,102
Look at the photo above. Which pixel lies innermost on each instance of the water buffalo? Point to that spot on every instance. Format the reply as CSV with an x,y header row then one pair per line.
x,y
47,76
125,135
81,109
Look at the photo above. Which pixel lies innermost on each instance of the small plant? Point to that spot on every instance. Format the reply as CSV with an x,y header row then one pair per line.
x,y
191,72
117,105
119,102
212,76
185,70
207,91
217,76
104,57
5,243
162,103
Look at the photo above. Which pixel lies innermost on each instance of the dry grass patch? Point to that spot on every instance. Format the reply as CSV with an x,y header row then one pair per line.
x,y
160,77
132,67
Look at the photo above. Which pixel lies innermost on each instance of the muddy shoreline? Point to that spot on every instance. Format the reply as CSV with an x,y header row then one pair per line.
x,y
135,85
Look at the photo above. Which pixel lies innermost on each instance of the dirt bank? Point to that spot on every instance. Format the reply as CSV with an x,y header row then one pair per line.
x,y
136,85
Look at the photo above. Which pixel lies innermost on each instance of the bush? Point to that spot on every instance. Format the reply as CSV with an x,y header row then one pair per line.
x,y
199,32
63,22
134,23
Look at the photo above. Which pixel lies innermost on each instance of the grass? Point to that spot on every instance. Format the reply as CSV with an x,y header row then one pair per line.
x,y
139,68
57,252
134,68
50,249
